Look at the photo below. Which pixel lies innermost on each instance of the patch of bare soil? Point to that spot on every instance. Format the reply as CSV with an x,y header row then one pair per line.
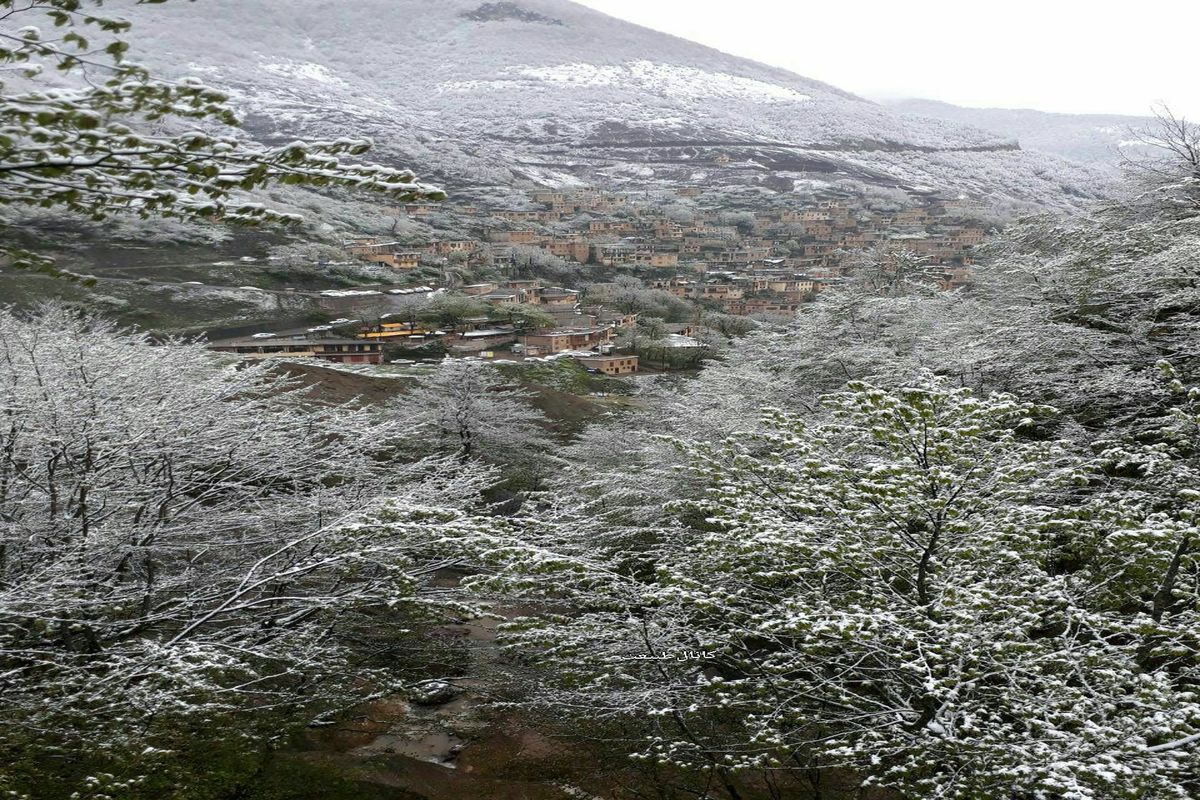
x,y
337,387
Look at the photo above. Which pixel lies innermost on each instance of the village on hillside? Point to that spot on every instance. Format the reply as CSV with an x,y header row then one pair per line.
x,y
571,272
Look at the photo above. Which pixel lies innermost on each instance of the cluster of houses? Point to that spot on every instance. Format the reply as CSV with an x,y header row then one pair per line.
x,y
585,333
403,257
767,261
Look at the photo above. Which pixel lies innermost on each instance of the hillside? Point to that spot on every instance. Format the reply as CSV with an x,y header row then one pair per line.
x,y
1100,140
548,92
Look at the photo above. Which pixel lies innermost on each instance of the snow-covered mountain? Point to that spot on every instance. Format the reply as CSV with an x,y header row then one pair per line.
x,y
1103,140
553,93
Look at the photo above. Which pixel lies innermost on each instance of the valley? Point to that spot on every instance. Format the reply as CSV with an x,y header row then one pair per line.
x,y
498,400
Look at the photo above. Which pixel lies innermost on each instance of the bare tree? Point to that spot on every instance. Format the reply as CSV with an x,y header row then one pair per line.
x,y
1166,166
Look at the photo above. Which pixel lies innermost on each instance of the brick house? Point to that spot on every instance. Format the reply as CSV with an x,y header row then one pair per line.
x,y
340,351
610,365
562,340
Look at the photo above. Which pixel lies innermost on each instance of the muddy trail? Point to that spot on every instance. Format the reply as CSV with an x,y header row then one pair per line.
x,y
445,743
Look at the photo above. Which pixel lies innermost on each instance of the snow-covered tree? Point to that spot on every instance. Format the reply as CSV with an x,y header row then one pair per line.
x,y
452,310
538,263
632,298
184,537
114,138
522,316
891,270
729,325
1167,165
916,587
471,411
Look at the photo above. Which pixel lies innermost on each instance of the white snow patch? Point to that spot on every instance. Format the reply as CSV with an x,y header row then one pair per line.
x,y
552,179
304,69
667,79
472,86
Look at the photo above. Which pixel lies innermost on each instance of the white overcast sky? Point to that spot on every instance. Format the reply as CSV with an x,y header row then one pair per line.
x,y
1054,55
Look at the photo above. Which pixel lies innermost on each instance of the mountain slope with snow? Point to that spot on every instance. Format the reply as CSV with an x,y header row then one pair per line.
x,y
550,92
1103,140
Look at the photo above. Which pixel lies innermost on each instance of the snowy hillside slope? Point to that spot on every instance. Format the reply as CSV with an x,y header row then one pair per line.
x,y
1102,140
553,93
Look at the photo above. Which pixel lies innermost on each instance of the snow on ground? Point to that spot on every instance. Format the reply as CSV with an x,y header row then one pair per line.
x,y
304,69
670,80
481,86
552,179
